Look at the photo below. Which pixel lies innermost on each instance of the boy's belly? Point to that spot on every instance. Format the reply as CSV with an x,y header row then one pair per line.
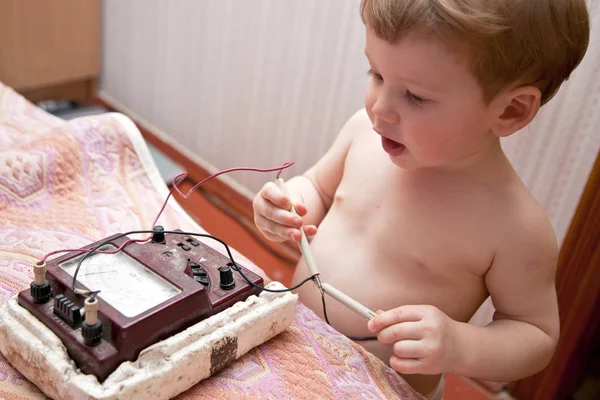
x,y
383,275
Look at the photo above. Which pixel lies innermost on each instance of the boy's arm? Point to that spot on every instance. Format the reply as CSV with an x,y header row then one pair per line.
x,y
522,338
317,186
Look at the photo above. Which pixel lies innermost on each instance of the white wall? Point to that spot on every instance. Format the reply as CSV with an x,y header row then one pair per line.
x,y
261,82
252,83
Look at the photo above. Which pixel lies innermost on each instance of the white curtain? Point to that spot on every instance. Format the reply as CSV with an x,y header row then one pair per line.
x,y
261,82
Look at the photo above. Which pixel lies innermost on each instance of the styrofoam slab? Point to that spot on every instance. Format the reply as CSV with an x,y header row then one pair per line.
x,y
162,370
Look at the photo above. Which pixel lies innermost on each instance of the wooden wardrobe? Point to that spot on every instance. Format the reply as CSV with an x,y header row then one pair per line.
x,y
50,49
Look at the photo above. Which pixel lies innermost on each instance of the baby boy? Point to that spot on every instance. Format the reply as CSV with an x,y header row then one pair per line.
x,y
415,209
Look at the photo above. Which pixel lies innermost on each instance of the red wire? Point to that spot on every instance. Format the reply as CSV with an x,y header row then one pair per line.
x,y
175,186
183,175
97,251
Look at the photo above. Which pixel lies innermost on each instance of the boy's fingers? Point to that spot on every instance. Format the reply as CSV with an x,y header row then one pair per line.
x,y
266,209
271,237
300,209
265,224
295,235
310,230
270,226
394,316
272,193
273,215
401,331
283,217
409,349
406,365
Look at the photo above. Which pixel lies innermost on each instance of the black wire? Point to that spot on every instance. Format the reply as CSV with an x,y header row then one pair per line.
x,y
234,265
241,221
356,338
93,295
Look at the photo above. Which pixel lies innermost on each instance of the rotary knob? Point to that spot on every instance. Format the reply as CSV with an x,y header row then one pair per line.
x,y
40,293
40,288
91,329
226,278
159,235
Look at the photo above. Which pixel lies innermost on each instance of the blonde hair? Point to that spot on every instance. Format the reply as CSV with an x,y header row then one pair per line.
x,y
536,42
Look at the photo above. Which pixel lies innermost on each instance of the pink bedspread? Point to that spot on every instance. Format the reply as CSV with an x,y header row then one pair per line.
x,y
63,185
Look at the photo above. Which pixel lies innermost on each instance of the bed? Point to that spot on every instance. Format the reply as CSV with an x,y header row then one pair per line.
x,y
66,184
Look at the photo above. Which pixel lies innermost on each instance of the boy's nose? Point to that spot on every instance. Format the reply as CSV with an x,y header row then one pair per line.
x,y
384,110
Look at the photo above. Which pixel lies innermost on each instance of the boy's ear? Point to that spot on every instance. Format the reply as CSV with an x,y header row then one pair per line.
x,y
517,107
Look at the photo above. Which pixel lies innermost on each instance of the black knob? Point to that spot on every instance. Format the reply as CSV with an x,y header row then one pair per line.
x,y
40,293
91,333
199,272
202,279
226,277
159,235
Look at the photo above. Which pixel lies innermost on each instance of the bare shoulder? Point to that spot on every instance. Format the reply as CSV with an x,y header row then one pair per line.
x,y
526,241
327,173
528,227
521,280
359,120
359,123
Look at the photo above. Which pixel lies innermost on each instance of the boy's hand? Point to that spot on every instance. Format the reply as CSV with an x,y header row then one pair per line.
x,y
424,339
273,217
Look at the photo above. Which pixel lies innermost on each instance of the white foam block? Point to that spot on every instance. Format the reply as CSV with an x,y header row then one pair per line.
x,y
162,370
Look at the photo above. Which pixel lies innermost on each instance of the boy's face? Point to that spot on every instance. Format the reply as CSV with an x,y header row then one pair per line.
x,y
424,102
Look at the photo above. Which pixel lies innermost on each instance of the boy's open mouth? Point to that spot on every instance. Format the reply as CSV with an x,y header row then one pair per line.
x,y
391,147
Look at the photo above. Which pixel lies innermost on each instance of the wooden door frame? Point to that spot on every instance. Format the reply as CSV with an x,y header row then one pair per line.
x,y
578,290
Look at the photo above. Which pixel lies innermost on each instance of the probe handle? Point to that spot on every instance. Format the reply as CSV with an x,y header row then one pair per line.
x,y
348,301
304,246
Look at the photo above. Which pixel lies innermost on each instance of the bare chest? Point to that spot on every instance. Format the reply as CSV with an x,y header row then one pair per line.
x,y
436,226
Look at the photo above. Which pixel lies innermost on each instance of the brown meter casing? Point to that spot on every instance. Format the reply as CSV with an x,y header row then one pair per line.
x,y
123,338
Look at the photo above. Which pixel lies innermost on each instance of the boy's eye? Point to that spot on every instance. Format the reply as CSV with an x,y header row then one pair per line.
x,y
413,98
375,75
